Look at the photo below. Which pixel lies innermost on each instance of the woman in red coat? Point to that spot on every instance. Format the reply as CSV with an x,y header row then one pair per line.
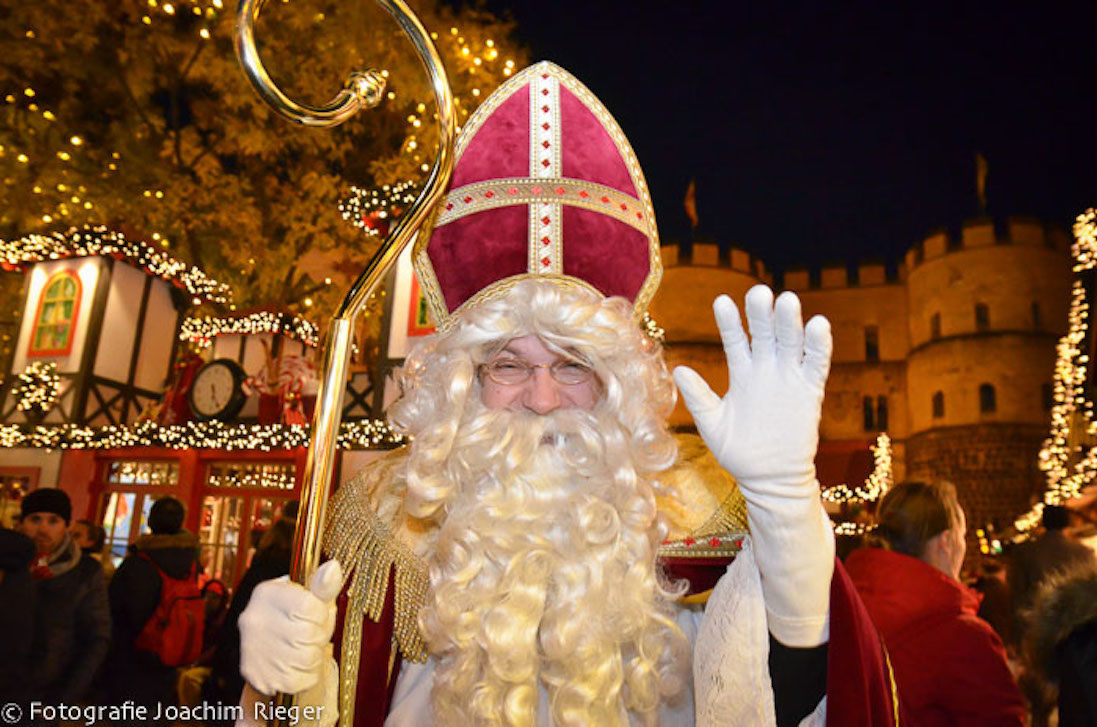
x,y
950,665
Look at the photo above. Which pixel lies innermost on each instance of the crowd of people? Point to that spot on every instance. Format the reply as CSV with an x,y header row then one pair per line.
x,y
78,632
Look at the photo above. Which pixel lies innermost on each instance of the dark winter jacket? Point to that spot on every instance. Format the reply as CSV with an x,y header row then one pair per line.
x,y
17,600
1063,641
134,595
950,666
1033,562
71,628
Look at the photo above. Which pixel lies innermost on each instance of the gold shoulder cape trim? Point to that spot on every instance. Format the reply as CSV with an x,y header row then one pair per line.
x,y
360,535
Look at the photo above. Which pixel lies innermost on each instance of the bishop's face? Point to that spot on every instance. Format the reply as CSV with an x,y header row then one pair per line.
x,y
528,376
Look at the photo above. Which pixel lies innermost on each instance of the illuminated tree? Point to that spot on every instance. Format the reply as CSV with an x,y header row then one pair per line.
x,y
134,114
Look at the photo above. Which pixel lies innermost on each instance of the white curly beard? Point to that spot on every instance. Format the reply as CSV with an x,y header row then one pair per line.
x,y
544,577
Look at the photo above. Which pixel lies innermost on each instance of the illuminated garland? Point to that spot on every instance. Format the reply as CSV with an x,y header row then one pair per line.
x,y
372,210
877,483
1066,481
264,480
98,240
364,434
38,387
202,331
852,528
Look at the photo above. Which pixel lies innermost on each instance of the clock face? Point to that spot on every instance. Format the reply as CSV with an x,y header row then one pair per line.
x,y
215,390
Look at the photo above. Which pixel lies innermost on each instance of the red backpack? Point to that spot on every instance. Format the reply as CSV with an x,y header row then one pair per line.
x,y
174,633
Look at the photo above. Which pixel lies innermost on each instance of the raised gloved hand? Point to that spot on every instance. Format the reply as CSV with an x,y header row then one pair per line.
x,y
765,432
285,632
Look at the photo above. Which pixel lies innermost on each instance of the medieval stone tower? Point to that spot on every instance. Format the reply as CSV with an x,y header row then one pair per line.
x,y
952,356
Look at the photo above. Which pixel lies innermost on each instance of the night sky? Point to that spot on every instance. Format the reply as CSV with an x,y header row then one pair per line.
x,y
839,131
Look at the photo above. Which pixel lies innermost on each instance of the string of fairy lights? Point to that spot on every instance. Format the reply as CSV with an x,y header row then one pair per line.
x,y
201,331
876,484
36,389
360,434
1071,412
371,209
98,240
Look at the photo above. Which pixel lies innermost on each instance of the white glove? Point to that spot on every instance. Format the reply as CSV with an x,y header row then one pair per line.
x,y
285,632
765,432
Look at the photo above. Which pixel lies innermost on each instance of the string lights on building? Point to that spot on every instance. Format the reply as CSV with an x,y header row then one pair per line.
x,y
362,434
1068,465
36,389
374,210
97,240
877,483
202,331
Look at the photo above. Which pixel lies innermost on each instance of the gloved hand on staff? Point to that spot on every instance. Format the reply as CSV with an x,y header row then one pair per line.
x,y
285,640
765,432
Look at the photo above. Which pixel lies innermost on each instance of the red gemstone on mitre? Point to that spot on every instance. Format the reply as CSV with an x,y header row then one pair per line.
x,y
560,190
468,199
545,162
512,191
583,194
605,199
624,206
546,220
489,194
546,144
545,261
546,126
535,189
546,240
545,108
544,92
449,206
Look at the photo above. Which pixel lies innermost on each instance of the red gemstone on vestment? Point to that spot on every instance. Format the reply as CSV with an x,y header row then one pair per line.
x,y
544,75
738,542
714,542
583,194
605,199
468,199
639,216
689,541
449,206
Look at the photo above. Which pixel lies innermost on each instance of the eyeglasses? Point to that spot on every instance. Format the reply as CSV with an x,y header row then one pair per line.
x,y
513,371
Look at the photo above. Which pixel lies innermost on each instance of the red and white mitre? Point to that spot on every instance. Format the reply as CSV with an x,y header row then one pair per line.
x,y
545,185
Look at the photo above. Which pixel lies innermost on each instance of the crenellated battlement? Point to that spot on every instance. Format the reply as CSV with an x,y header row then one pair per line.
x,y
708,255
984,233
973,235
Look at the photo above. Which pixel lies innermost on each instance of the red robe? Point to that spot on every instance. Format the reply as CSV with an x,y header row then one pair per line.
x,y
860,690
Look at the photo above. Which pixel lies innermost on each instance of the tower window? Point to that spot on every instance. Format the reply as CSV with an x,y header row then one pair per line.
x,y
868,414
872,343
881,413
938,405
935,325
982,317
988,400
1036,322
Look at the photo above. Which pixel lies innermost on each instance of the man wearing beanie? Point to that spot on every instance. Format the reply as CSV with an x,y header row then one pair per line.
x,y
71,632
134,595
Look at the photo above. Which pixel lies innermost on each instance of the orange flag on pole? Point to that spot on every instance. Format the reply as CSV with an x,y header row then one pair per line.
x,y
690,202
